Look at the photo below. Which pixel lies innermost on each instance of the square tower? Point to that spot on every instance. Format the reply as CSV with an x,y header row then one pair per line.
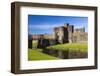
x,y
70,29
63,34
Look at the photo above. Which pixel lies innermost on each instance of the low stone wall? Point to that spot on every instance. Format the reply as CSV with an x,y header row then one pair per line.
x,y
68,54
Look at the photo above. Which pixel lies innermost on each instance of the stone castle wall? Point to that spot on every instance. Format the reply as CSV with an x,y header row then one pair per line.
x,y
69,34
65,34
45,36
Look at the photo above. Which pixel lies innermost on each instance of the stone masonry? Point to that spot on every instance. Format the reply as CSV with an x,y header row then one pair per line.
x,y
62,34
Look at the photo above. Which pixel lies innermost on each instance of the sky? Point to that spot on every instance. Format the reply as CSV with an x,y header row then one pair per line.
x,y
44,24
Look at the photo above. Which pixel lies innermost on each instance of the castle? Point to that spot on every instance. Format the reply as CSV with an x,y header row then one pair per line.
x,y
63,34
67,34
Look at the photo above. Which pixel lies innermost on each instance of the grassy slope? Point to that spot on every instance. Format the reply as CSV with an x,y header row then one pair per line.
x,y
71,46
36,55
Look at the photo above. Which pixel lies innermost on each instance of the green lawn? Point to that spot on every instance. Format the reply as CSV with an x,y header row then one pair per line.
x,y
70,46
36,55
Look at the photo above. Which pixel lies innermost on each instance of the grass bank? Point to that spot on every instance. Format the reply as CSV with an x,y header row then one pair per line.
x,y
70,46
36,55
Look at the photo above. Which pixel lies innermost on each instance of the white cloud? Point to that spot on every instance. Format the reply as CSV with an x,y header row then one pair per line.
x,y
45,26
78,26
